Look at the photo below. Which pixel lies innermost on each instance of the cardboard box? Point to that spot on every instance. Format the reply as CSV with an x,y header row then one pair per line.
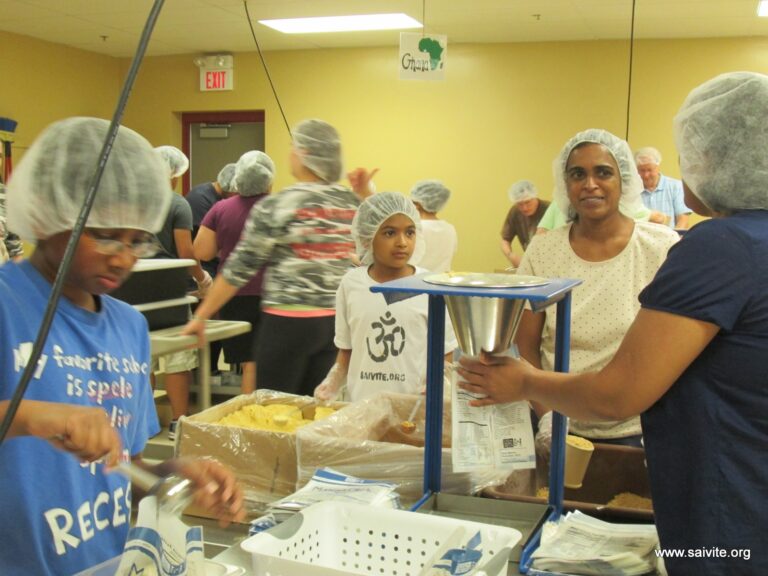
x,y
264,461
612,470
366,440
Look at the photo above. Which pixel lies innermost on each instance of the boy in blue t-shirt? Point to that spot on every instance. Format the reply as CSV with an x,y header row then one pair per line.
x,y
90,394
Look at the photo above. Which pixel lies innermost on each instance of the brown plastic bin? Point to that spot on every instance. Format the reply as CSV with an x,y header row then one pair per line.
x,y
612,471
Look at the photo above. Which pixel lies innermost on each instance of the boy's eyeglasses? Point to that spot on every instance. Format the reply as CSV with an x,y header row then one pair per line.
x,y
144,247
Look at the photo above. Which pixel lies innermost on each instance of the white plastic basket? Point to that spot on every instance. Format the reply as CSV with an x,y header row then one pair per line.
x,y
340,539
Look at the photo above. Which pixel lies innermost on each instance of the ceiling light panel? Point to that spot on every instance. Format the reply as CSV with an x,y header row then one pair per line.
x,y
343,23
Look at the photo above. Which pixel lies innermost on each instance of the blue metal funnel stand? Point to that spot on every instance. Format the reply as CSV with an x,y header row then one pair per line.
x,y
557,291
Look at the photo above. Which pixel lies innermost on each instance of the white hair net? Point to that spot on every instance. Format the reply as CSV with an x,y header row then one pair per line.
x,y
630,203
373,212
522,190
431,194
48,188
254,173
319,148
226,178
647,155
175,159
721,134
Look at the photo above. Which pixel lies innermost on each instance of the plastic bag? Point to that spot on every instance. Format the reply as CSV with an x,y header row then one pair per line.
x,y
162,545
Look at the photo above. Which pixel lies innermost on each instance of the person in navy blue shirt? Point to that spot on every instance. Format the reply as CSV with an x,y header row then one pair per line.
x,y
695,360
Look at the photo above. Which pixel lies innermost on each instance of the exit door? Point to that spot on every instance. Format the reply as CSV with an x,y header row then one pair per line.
x,y
213,139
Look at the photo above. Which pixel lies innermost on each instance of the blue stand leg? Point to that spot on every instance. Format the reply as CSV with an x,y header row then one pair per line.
x,y
434,418
557,454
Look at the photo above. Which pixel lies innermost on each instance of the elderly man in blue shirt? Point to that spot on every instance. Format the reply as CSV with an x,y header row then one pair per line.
x,y
662,195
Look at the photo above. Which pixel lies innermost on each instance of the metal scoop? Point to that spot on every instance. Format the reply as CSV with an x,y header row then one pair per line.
x,y
173,492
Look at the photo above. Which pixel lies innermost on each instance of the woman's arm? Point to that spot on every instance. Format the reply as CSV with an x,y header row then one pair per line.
x,y
183,239
629,384
205,246
528,342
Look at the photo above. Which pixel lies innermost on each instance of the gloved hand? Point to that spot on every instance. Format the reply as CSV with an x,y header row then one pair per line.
x,y
204,285
543,440
329,388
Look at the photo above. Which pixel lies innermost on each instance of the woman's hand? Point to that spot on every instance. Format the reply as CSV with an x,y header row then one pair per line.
x,y
195,327
499,378
217,489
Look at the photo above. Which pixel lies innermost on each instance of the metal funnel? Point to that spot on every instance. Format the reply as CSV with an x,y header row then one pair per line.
x,y
484,324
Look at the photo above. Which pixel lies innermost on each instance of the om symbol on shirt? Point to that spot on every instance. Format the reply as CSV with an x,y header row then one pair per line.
x,y
390,339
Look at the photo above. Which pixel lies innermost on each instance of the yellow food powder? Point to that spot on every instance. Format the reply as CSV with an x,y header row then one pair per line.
x,y
272,417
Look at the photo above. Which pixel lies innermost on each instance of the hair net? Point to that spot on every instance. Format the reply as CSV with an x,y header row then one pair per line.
x,y
254,173
630,203
522,190
647,155
319,148
373,212
175,159
431,194
226,178
721,134
48,188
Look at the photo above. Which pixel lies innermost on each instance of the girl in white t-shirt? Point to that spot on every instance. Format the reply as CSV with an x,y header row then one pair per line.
x,y
382,347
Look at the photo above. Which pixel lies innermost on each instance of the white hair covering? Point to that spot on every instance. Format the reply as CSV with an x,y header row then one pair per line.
x,y
175,159
648,155
522,190
431,194
630,203
319,149
48,188
226,178
721,134
254,173
373,212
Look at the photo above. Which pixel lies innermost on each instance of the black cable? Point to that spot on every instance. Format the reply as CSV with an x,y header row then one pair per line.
x,y
264,65
631,53
77,230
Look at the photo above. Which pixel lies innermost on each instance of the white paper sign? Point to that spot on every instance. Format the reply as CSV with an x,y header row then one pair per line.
x,y
423,57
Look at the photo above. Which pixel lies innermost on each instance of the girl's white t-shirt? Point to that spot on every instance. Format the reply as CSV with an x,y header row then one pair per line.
x,y
388,342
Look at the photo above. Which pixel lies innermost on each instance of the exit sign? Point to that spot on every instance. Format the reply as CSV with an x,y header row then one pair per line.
x,y
213,79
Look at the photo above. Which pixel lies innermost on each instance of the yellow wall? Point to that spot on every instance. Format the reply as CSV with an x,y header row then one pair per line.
x,y
41,82
502,114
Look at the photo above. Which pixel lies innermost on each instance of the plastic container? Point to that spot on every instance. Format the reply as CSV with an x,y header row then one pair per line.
x,y
339,539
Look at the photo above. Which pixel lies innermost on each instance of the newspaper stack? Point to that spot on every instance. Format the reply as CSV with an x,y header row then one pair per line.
x,y
581,545
328,484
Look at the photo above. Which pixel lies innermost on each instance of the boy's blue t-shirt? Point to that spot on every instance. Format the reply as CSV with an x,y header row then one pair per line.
x,y
60,516
706,438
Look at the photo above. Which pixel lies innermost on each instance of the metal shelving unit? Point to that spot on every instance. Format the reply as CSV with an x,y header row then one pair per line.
x,y
556,292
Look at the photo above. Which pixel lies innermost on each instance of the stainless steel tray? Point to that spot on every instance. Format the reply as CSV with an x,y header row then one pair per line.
x,y
485,280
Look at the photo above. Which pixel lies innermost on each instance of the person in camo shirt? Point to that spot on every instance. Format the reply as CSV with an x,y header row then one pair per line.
x,y
303,234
